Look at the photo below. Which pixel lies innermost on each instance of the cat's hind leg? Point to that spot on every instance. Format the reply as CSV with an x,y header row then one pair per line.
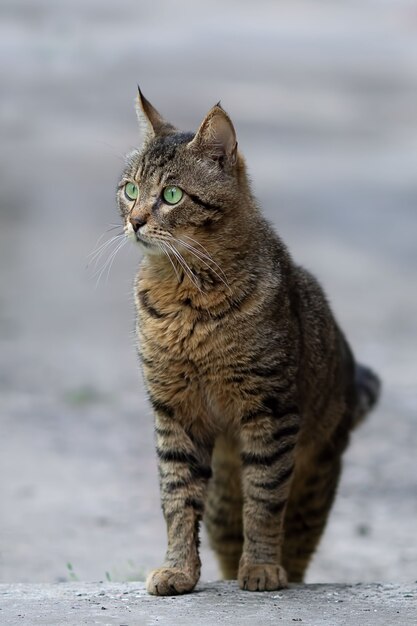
x,y
309,504
223,512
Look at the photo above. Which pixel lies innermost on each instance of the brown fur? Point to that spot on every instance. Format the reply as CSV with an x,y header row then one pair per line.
x,y
253,385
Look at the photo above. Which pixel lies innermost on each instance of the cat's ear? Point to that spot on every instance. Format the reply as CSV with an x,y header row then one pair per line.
x,y
155,123
216,136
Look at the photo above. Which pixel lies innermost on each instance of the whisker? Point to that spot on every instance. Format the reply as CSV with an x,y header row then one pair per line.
x,y
197,242
113,227
201,257
122,243
176,255
95,255
212,238
114,151
108,262
184,265
96,244
206,253
162,247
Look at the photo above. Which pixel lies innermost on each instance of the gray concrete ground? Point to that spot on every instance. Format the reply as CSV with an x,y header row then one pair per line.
x,y
127,604
323,97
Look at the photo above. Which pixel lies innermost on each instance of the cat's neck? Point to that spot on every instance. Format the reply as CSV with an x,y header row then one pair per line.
x,y
218,267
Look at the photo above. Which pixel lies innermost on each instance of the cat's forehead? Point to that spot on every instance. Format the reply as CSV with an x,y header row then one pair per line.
x,y
167,145
159,153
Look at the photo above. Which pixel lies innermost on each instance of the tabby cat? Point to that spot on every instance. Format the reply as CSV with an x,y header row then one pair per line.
x,y
253,385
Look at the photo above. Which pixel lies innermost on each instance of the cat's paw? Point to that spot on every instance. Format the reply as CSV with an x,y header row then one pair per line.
x,y
255,577
169,581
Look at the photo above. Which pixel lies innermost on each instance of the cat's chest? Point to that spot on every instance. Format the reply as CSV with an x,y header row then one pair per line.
x,y
176,331
185,362
176,324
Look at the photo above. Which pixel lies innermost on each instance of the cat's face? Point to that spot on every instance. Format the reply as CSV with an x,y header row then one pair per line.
x,y
180,185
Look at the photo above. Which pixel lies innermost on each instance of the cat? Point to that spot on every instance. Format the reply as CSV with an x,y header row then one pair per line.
x,y
253,385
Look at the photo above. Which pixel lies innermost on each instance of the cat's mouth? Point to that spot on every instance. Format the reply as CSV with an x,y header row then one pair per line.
x,y
136,237
143,241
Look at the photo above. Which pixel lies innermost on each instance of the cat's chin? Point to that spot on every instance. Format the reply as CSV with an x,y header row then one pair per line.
x,y
148,248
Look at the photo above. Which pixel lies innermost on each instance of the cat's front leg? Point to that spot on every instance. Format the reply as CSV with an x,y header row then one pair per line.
x,y
268,440
184,470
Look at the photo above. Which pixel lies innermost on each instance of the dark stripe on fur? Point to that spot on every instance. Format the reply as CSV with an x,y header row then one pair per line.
x,y
278,481
270,408
163,432
197,505
249,458
161,407
174,485
286,431
144,300
176,456
272,507
273,404
205,205
200,471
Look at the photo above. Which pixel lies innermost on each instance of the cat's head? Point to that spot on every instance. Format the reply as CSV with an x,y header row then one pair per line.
x,y
180,185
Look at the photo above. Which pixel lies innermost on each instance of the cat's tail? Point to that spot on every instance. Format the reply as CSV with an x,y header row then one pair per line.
x,y
368,386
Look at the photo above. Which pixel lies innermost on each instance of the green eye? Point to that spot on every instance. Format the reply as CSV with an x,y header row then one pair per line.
x,y
172,195
131,191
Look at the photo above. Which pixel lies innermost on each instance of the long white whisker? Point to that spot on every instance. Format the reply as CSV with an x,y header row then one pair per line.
x,y
184,264
201,257
98,247
205,254
197,242
212,238
108,263
94,256
99,272
105,266
122,243
162,247
177,256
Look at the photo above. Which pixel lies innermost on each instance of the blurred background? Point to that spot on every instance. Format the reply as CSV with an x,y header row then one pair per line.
x,y
323,96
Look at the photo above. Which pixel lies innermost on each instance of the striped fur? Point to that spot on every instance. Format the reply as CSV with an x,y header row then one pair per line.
x,y
253,385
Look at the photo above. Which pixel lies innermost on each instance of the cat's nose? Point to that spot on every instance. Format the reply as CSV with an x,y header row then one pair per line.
x,y
137,222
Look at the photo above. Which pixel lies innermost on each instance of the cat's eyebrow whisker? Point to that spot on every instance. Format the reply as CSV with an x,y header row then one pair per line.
x,y
112,149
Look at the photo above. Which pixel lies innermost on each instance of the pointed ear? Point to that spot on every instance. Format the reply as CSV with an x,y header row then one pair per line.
x,y
156,125
216,136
